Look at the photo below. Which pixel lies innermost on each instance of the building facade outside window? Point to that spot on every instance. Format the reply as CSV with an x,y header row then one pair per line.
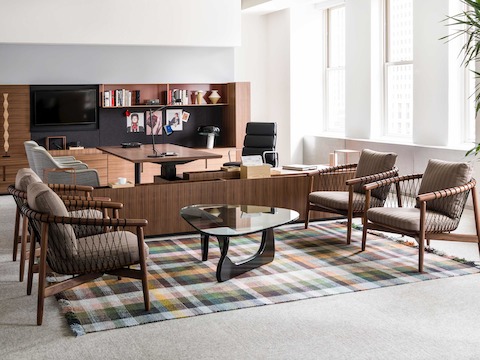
x,y
398,83
335,70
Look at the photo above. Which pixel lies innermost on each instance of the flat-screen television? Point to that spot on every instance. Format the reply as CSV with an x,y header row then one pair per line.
x,y
64,105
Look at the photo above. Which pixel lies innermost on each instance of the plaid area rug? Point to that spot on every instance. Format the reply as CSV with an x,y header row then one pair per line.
x,y
308,263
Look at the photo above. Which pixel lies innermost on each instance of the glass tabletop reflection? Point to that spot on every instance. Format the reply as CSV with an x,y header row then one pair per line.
x,y
234,220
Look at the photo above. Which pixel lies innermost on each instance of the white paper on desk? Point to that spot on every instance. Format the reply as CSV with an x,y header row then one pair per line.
x,y
252,160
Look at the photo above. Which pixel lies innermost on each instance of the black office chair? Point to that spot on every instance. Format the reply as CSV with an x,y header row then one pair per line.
x,y
260,139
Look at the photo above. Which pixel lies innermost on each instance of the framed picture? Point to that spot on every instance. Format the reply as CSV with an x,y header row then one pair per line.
x,y
173,119
154,123
185,116
168,129
56,142
135,122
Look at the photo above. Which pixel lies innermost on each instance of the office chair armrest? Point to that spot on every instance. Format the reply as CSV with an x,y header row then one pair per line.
x,y
230,156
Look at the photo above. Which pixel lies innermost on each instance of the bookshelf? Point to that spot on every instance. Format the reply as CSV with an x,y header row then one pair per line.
x,y
139,95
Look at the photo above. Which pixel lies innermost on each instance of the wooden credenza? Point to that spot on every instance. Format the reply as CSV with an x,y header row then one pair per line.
x,y
160,203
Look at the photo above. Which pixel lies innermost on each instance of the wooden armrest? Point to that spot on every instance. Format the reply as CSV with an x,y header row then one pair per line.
x,y
92,203
392,180
47,218
68,187
335,168
373,177
447,192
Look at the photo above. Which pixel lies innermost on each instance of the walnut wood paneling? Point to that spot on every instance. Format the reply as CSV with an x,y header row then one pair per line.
x,y
160,203
238,113
18,130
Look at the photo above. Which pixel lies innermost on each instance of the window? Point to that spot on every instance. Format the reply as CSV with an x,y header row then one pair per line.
x,y
399,69
335,70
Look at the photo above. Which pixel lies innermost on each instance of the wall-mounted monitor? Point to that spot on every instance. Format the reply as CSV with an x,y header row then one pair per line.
x,y
64,106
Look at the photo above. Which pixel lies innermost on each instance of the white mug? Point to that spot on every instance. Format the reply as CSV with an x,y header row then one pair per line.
x,y
122,180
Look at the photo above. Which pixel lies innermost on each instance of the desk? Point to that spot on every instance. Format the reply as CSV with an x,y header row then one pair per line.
x,y
168,171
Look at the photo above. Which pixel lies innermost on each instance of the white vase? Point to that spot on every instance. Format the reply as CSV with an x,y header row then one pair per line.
x,y
214,97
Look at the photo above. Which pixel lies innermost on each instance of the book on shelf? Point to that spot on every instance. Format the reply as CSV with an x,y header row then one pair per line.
x,y
299,167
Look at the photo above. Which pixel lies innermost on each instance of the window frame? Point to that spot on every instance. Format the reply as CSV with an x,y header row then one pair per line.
x,y
387,64
329,69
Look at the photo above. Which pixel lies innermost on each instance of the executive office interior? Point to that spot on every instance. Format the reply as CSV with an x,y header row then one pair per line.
x,y
277,48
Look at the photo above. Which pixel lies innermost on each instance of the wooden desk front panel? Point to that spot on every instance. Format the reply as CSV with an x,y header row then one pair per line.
x,y
160,203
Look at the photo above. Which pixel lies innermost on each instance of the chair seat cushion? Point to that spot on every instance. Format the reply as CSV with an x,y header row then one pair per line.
x,y
408,219
339,200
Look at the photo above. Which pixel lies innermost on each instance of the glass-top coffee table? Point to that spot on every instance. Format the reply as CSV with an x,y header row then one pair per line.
x,y
225,221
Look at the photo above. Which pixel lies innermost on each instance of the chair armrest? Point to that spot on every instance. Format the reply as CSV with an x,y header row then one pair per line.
x,y
80,203
389,181
86,177
108,222
335,169
77,165
443,193
65,158
232,151
87,190
373,177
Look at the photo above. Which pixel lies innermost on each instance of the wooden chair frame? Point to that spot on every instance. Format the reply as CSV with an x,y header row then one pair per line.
x,y
349,184
40,232
422,235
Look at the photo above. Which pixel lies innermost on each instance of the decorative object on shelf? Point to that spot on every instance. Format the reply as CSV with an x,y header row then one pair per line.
x,y
6,145
127,113
210,131
56,142
214,96
199,96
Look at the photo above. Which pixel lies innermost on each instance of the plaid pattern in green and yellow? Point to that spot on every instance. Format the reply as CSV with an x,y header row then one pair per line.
x,y
308,263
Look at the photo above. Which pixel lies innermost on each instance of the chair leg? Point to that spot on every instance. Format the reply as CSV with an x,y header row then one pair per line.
x,y
23,247
31,263
364,232
15,234
476,214
42,274
349,228
146,293
307,218
421,251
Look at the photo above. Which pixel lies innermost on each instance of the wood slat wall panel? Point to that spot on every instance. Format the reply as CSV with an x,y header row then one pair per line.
x,y
18,129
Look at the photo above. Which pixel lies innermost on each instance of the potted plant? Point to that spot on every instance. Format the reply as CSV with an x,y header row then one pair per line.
x,y
468,23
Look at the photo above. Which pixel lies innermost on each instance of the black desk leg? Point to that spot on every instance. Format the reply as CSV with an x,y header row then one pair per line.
x,y
227,269
138,173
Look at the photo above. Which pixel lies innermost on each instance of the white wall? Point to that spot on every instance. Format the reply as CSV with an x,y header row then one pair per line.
x,y
96,64
430,79
251,65
278,79
121,22
357,69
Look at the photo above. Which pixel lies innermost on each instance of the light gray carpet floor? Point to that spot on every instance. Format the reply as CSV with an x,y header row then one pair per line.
x,y
436,319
